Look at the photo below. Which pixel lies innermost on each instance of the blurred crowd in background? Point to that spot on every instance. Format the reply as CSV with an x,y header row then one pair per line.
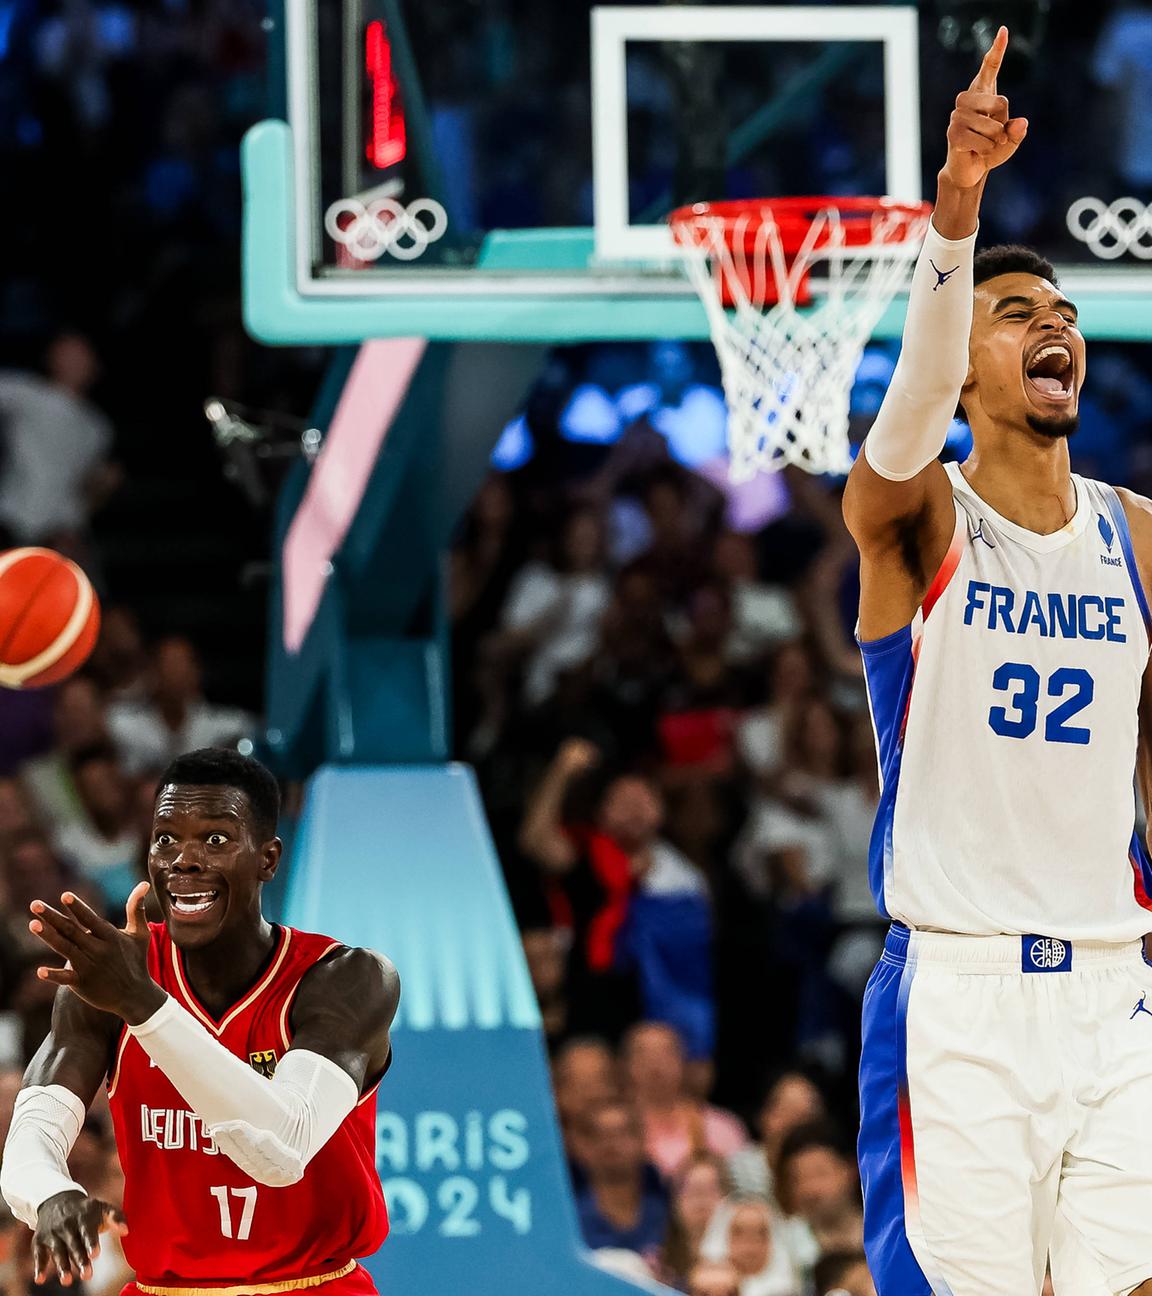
x,y
655,674
669,725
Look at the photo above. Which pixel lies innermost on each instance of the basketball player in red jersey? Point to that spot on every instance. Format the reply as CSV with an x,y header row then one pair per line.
x,y
241,1059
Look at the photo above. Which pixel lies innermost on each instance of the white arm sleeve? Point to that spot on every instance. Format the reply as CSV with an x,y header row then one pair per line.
x,y
46,1121
910,429
272,1128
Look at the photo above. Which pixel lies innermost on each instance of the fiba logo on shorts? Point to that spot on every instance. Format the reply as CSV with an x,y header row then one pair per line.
x,y
1048,953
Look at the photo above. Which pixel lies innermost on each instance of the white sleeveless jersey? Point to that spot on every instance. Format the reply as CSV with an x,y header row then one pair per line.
x,y
1006,723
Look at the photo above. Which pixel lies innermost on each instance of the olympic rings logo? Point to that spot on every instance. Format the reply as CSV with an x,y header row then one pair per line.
x,y
386,226
1109,231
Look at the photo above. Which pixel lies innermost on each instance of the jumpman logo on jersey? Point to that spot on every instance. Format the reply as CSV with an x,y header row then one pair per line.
x,y
1141,1008
942,276
978,534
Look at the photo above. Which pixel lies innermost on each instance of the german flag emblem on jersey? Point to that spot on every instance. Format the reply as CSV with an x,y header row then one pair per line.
x,y
263,1061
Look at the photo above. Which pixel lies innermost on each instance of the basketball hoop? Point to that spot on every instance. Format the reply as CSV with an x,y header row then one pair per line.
x,y
788,372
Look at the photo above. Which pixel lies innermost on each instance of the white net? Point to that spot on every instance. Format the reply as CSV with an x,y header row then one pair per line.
x,y
788,368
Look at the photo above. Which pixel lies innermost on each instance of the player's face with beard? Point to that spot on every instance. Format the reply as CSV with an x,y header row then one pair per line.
x,y
1027,358
207,863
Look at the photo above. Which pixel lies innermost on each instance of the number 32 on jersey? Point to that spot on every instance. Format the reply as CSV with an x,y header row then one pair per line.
x,y
1066,693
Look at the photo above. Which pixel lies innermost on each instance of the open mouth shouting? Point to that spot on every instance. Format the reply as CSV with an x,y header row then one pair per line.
x,y
193,899
1050,371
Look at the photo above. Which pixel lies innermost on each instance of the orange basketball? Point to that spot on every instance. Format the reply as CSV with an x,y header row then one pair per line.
x,y
49,618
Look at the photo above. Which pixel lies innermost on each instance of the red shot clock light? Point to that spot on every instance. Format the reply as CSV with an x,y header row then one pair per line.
x,y
388,137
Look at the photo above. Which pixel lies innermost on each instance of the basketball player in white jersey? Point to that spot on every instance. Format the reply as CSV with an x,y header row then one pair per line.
x,y
1006,1080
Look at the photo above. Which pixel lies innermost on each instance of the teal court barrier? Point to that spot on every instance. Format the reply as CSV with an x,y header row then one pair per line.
x,y
468,1148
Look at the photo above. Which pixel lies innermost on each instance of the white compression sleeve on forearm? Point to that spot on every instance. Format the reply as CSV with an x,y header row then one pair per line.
x,y
270,1128
910,429
46,1122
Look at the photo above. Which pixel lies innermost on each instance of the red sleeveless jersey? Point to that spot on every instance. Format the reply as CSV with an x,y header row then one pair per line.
x,y
195,1219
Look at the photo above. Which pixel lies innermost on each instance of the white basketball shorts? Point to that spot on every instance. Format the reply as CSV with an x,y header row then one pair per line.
x,y
1006,1111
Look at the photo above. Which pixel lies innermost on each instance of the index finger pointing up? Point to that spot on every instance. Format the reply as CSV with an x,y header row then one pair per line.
x,y
985,79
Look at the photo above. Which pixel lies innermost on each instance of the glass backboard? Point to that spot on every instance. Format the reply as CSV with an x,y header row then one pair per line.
x,y
437,175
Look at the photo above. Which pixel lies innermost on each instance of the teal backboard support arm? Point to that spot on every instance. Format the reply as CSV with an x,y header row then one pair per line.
x,y
369,681
468,1146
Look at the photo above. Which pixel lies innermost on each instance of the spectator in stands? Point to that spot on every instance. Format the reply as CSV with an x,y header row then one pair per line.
x,y
15,1256
55,448
583,1079
592,879
119,662
819,1191
697,1189
696,729
850,807
713,1278
619,968
843,1273
621,1203
681,509
791,1101
175,717
762,615
762,731
789,854
545,953
11,1080
110,1270
31,870
103,843
703,649
79,723
743,1232
634,663
484,562
553,611
676,1125
1122,64
17,813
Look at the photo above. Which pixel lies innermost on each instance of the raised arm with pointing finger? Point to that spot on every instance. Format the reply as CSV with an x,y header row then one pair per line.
x,y
898,503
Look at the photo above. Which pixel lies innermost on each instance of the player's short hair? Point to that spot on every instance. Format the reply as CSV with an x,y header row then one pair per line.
x,y
1011,258
219,767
